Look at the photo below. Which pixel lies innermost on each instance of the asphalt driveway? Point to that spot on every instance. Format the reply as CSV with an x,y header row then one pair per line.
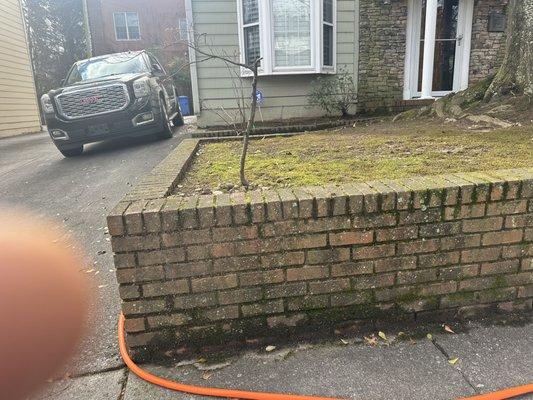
x,y
78,193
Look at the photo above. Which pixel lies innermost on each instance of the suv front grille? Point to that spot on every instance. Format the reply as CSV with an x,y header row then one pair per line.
x,y
93,101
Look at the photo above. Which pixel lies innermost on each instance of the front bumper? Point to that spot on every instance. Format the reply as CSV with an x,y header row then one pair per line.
x,y
127,122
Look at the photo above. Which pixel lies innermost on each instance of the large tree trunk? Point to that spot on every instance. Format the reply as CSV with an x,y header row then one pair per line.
x,y
516,71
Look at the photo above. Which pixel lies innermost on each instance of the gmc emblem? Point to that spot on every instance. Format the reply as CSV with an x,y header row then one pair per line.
x,y
90,100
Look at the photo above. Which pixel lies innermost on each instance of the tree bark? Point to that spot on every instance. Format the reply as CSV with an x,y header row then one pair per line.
x,y
249,125
516,71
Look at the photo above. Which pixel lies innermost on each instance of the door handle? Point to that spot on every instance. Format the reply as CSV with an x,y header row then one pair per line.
x,y
459,40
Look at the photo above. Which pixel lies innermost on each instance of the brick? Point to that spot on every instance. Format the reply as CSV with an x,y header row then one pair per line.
x,y
240,296
165,288
188,216
239,208
307,273
419,305
374,221
186,270
304,242
480,255
460,242
307,302
141,339
212,283
394,234
438,289
351,269
523,278
282,321
222,313
134,325
387,196
395,264
286,290
339,200
508,207
235,233
206,211
257,206
166,256
349,238
321,200
525,291
134,275
488,282
373,281
458,300
262,277
128,292
438,259
518,221
273,206
267,307
482,225
219,250
159,321
329,286
417,276
501,294
355,198
305,203
440,229
134,243
518,250
176,239
143,307
464,212
283,259
115,223
397,293
458,272
526,264
501,267
124,260
232,264
327,256
195,301
133,217
419,216
502,237
371,198
223,210
349,299
170,213
419,246
289,203
377,251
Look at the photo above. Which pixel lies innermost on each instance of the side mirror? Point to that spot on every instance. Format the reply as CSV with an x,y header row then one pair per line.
x,y
63,81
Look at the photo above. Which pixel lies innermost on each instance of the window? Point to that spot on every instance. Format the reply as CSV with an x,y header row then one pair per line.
x,y
127,26
290,36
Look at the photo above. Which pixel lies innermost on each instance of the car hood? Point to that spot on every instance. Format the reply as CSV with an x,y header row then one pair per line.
x,y
122,78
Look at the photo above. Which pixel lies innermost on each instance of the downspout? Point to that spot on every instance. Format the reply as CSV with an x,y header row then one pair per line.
x,y
192,57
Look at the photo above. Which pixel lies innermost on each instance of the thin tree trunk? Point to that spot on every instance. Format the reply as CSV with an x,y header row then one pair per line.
x,y
516,71
249,126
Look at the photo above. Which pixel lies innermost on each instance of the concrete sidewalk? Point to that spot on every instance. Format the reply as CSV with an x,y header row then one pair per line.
x,y
490,356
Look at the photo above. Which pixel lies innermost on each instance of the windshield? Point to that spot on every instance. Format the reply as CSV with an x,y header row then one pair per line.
x,y
114,65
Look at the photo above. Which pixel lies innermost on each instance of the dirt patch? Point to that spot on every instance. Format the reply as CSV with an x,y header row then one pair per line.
x,y
367,151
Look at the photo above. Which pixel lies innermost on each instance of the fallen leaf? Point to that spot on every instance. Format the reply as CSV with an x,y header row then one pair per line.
x,y
206,375
344,341
448,329
453,361
401,333
429,336
383,336
102,286
372,341
201,360
88,271
270,348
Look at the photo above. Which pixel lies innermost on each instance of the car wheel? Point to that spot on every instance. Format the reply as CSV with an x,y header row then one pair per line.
x,y
72,152
166,133
178,120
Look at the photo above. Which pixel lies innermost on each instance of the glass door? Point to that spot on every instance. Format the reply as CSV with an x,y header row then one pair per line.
x,y
450,47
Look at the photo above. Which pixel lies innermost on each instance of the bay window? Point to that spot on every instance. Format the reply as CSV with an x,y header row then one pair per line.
x,y
290,36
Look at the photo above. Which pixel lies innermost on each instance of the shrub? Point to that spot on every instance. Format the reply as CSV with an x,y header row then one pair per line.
x,y
334,93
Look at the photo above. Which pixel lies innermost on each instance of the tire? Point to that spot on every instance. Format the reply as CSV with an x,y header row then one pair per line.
x,y
178,119
73,152
166,133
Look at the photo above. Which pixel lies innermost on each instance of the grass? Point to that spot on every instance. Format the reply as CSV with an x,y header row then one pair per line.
x,y
362,153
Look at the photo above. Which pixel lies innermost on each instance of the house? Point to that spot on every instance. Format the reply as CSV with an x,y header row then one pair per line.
x,y
19,112
156,25
401,53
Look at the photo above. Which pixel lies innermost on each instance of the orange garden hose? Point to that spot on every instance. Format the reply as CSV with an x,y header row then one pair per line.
x,y
245,395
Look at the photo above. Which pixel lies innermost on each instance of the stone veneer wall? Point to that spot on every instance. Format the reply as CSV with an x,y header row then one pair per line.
x,y
382,40
382,51
212,268
488,48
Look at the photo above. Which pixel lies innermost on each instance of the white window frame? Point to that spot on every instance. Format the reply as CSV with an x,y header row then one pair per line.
x,y
127,26
266,38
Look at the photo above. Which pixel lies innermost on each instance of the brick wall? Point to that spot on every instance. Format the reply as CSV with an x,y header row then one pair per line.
x,y
205,269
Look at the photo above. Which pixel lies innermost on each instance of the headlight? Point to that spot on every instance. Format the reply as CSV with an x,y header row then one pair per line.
x,y
141,87
46,103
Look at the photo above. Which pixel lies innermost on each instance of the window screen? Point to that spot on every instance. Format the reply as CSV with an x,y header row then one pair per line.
x,y
292,32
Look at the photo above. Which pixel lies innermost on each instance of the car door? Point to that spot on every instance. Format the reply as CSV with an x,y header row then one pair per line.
x,y
165,82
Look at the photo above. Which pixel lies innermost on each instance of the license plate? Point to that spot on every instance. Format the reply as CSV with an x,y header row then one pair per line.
x,y
99,129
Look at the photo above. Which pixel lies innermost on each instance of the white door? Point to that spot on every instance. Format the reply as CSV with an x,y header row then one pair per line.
x,y
451,56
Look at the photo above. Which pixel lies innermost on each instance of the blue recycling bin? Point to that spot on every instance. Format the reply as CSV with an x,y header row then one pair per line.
x,y
184,105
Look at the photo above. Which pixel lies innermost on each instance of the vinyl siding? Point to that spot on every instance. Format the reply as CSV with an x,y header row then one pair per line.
x,y
19,112
284,96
